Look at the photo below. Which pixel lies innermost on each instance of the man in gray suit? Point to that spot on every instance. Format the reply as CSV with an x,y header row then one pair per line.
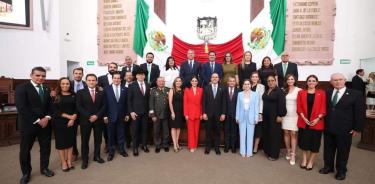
x,y
159,113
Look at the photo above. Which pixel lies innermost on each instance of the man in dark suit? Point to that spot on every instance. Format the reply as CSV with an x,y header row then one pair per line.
x,y
189,68
284,68
159,113
116,116
358,83
129,67
209,68
153,71
91,106
103,82
138,95
344,119
33,104
230,126
75,85
214,109
127,80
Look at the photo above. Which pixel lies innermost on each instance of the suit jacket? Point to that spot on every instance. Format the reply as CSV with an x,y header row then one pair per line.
x,y
186,73
137,102
253,115
159,104
231,104
206,72
260,91
155,73
193,103
86,107
30,107
358,84
115,110
213,106
348,114
292,69
319,107
103,81
72,86
134,70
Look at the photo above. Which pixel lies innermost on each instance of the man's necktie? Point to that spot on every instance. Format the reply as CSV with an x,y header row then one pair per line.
x,y
77,87
284,68
212,67
117,94
142,89
92,93
215,91
148,72
40,92
231,93
335,98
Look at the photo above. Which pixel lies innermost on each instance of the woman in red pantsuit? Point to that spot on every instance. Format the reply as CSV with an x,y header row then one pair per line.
x,y
193,112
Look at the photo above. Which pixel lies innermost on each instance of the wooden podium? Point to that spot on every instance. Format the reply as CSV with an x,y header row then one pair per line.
x,y
368,134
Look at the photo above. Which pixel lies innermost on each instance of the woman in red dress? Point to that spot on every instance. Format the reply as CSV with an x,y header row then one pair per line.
x,y
193,112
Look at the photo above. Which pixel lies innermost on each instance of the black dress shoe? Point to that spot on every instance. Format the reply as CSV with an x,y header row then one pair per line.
x,y
145,149
325,170
124,154
84,165
226,150
340,176
99,160
135,152
217,151
207,151
110,157
166,149
157,150
47,172
25,179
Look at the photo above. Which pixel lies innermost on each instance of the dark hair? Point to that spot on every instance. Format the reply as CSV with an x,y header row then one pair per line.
x,y
167,67
271,65
194,77
150,54
58,89
225,60
253,73
116,73
38,68
113,63
212,52
79,68
92,75
311,76
359,71
286,87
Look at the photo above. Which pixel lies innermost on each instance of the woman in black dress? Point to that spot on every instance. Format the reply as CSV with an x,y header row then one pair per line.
x,y
246,67
176,98
63,120
266,70
274,109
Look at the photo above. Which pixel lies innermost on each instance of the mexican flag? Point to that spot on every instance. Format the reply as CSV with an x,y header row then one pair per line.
x,y
266,33
151,34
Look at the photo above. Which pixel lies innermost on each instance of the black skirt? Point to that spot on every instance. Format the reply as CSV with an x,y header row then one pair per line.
x,y
258,130
309,140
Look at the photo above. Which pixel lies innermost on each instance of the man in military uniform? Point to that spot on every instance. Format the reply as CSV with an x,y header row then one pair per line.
x,y
159,113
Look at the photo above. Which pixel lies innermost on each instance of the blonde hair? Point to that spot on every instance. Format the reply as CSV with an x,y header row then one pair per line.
x,y
243,59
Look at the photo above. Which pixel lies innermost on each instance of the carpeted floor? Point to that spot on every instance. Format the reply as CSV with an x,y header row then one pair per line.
x,y
186,167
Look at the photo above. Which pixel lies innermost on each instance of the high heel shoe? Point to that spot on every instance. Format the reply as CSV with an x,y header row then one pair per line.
x,y
292,160
287,156
175,150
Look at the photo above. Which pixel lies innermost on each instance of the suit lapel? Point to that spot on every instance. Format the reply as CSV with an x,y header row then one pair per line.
x,y
344,97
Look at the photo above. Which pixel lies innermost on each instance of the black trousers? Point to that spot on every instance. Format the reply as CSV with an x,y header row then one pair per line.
x,y
127,133
27,142
161,126
212,131
75,130
230,132
105,134
139,130
338,145
85,138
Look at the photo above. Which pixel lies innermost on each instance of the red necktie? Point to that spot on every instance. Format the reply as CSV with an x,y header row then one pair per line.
x,y
92,93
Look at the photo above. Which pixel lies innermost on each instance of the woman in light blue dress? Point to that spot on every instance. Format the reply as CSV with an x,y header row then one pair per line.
x,y
247,111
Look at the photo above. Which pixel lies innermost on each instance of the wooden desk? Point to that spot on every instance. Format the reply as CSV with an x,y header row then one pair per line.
x,y
368,135
8,129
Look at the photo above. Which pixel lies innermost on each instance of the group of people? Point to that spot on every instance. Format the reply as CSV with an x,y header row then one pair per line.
x,y
258,105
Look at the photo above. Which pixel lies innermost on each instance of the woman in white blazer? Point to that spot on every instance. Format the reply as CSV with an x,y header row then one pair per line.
x,y
247,110
259,88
